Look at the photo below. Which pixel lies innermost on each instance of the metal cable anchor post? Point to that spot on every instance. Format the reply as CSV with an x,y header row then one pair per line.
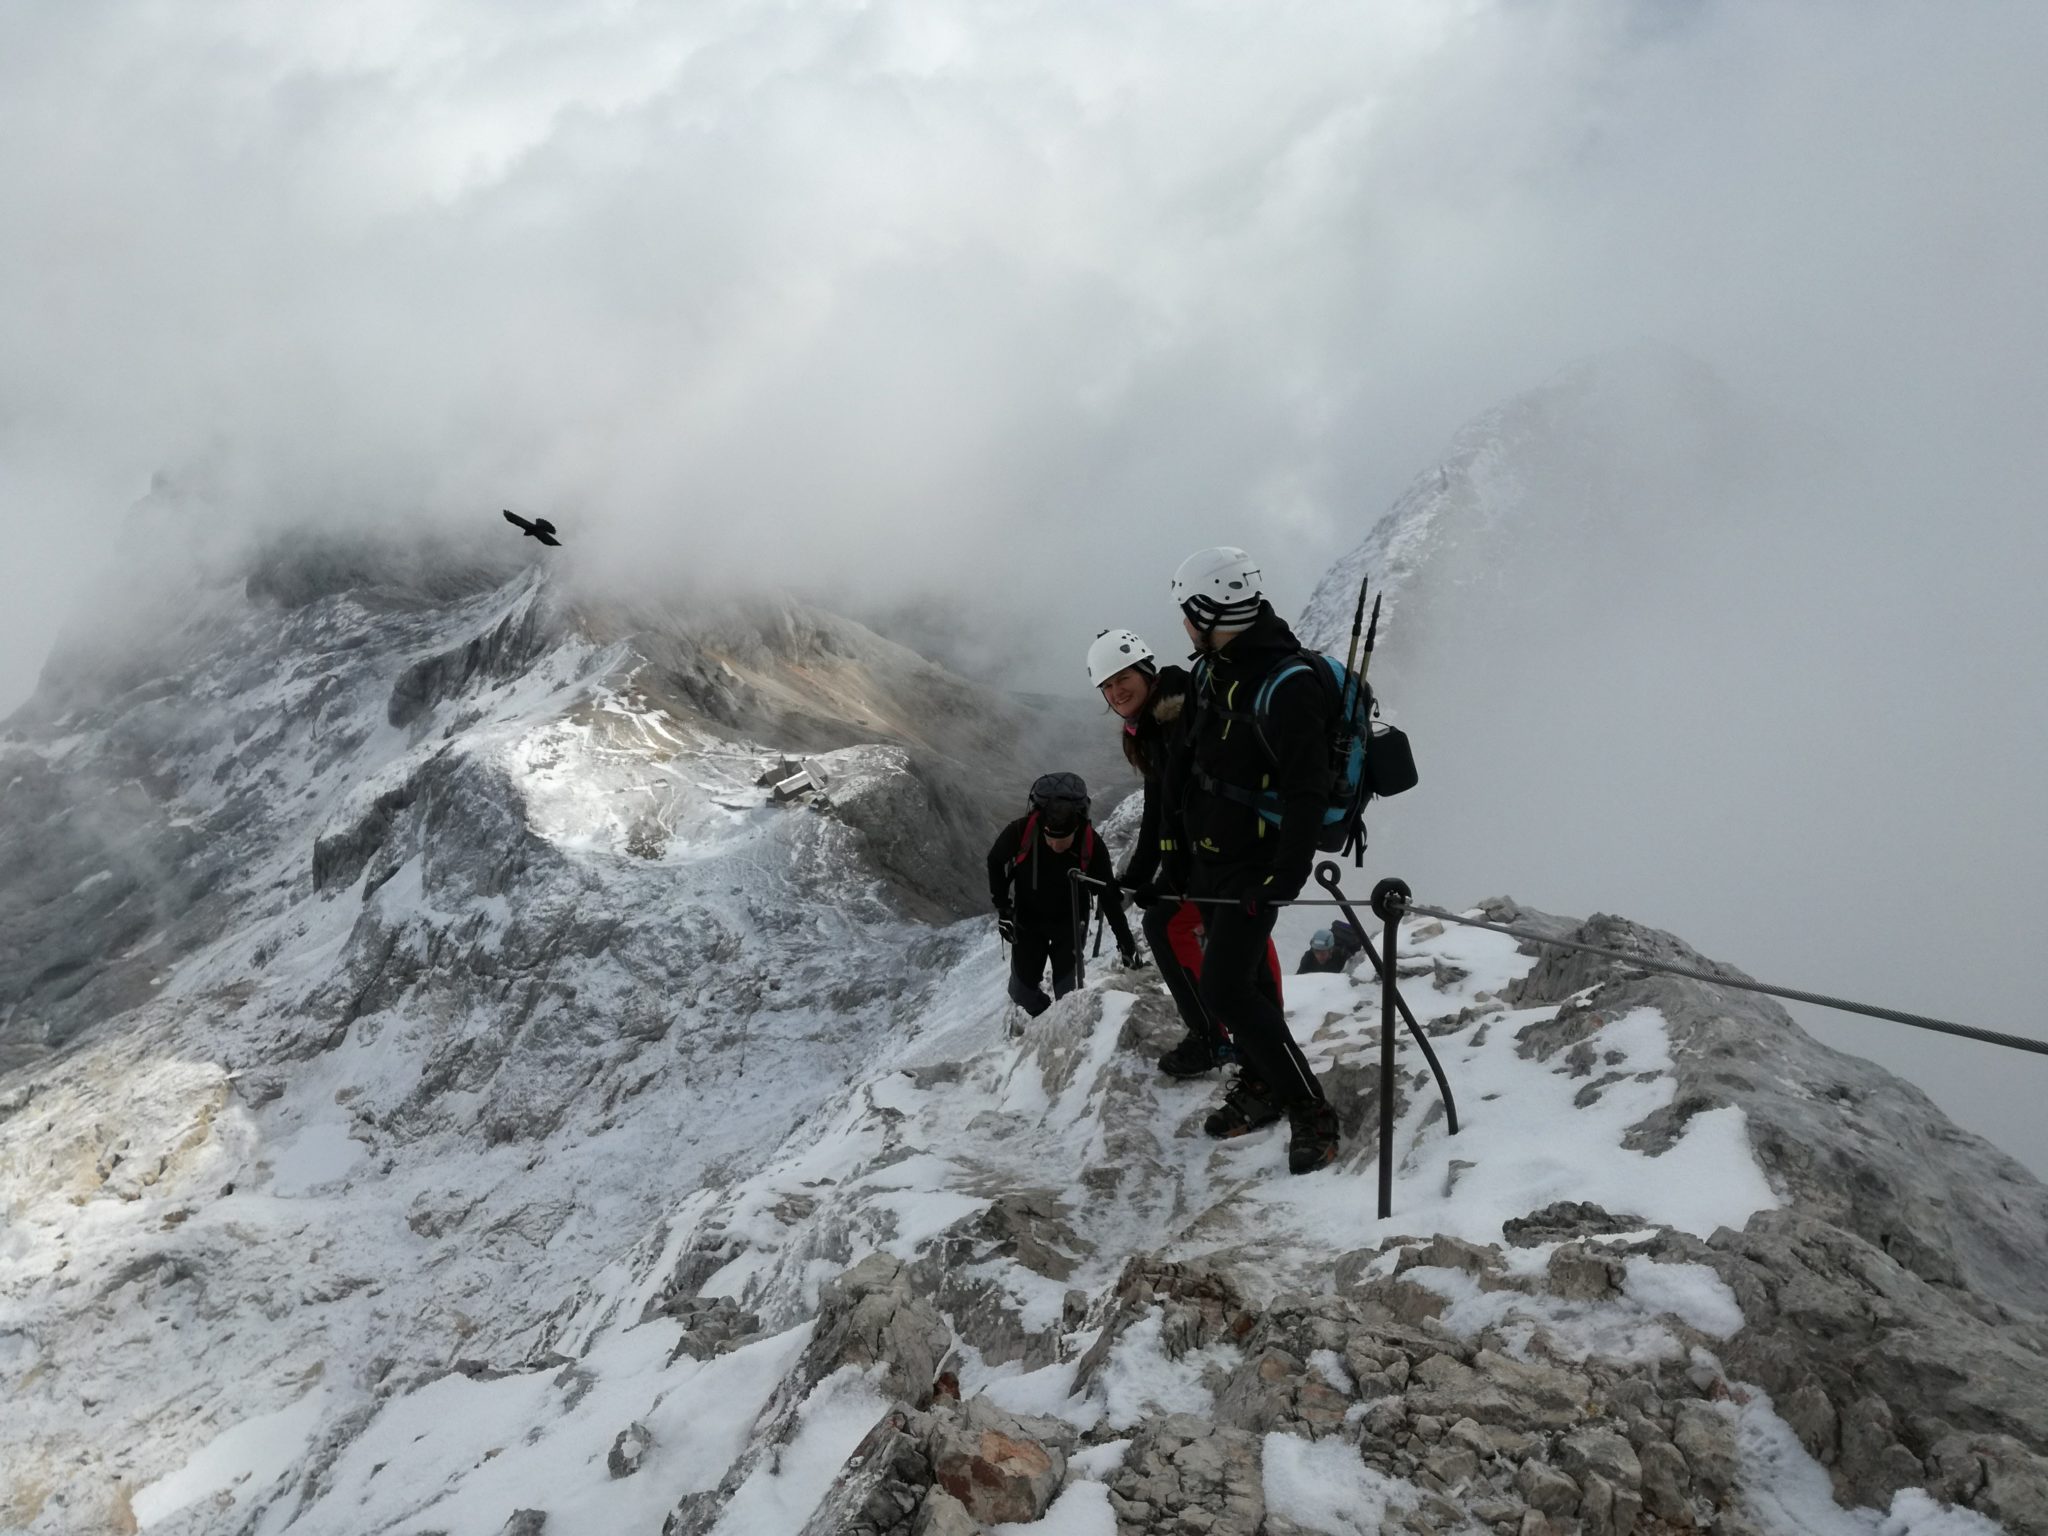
x,y
1388,899
1389,903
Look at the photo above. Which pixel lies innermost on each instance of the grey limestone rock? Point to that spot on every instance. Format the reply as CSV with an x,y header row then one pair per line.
x,y
880,1489
943,1515
1666,1481
1872,1364
869,1315
1577,1273
1602,1452
1705,1436
1182,1463
628,1450
1946,1204
1546,1489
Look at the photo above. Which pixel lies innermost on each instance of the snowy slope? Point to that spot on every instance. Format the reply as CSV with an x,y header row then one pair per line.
x,y
387,962
446,1083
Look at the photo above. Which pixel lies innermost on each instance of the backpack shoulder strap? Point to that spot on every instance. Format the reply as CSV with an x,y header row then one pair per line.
x,y
1024,843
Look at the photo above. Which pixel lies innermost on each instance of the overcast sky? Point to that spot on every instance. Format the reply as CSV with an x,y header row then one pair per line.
x,y
1004,308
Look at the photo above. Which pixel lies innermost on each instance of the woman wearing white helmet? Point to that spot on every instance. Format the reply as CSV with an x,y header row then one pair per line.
x,y
1149,698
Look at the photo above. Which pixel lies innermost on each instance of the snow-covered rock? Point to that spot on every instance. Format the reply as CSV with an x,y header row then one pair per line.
x,y
448,1089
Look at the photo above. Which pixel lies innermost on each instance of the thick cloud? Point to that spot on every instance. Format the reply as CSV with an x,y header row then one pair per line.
x,y
1027,298
1017,303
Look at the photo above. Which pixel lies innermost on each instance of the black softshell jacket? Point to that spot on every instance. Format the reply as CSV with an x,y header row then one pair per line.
x,y
1158,856
1233,851
1037,889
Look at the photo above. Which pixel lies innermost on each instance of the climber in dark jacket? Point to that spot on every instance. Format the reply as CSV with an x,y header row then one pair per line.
x,y
1034,899
1321,955
1258,783
1150,699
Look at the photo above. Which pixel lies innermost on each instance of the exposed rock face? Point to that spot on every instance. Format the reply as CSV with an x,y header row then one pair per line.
x,y
998,1468
869,1316
1948,1205
1183,1464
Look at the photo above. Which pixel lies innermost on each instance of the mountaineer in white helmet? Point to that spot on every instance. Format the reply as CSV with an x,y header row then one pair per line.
x,y
1258,781
1148,698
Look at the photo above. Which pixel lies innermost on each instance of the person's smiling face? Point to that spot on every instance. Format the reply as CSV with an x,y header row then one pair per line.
x,y
1127,691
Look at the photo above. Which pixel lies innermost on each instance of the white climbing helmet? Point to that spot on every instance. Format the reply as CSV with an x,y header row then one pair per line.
x,y
1112,652
1217,588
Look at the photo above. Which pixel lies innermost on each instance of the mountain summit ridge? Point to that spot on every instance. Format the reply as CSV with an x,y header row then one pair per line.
x,y
445,1081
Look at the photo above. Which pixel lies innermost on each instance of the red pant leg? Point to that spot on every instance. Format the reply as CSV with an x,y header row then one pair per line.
x,y
1185,930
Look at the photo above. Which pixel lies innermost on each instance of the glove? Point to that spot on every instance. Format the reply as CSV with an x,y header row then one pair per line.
x,y
1006,924
1145,893
1129,957
1287,884
1270,889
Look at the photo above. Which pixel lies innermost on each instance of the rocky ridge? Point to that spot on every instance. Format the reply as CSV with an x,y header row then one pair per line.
x,y
459,1113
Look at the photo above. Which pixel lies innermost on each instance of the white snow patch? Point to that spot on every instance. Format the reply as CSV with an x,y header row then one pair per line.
x,y
780,1494
1573,1329
1915,1512
1047,1392
1323,1485
1098,1461
1138,1379
242,1460
1329,1365
320,1154
1527,1144
1693,1293
460,1455
1082,1509
1789,1493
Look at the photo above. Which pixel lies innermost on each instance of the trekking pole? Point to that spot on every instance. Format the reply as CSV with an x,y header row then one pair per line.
x,y
1371,634
1077,924
1096,952
1358,622
1354,684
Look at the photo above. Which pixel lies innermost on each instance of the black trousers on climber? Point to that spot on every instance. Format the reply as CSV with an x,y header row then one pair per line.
x,y
1029,952
1237,985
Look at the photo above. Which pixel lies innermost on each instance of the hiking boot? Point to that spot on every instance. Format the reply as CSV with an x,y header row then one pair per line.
x,y
1248,1107
1312,1142
1191,1058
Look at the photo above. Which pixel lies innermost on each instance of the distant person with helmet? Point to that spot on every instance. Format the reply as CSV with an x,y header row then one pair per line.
x,y
1321,955
1027,881
1150,701
1259,778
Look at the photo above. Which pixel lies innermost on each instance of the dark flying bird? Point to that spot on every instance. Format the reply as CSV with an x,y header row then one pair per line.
x,y
540,528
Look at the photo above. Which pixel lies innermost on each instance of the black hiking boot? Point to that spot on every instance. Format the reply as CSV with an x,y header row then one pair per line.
x,y
1248,1107
1191,1058
1312,1143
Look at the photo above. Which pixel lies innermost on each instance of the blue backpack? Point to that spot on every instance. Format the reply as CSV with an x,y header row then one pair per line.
x,y
1368,757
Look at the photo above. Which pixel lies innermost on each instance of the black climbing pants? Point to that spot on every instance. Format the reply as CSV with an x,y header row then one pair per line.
x,y
1238,991
1029,952
1171,929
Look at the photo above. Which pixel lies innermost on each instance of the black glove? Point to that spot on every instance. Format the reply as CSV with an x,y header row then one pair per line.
x,y
1006,924
1145,893
1129,956
1287,884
